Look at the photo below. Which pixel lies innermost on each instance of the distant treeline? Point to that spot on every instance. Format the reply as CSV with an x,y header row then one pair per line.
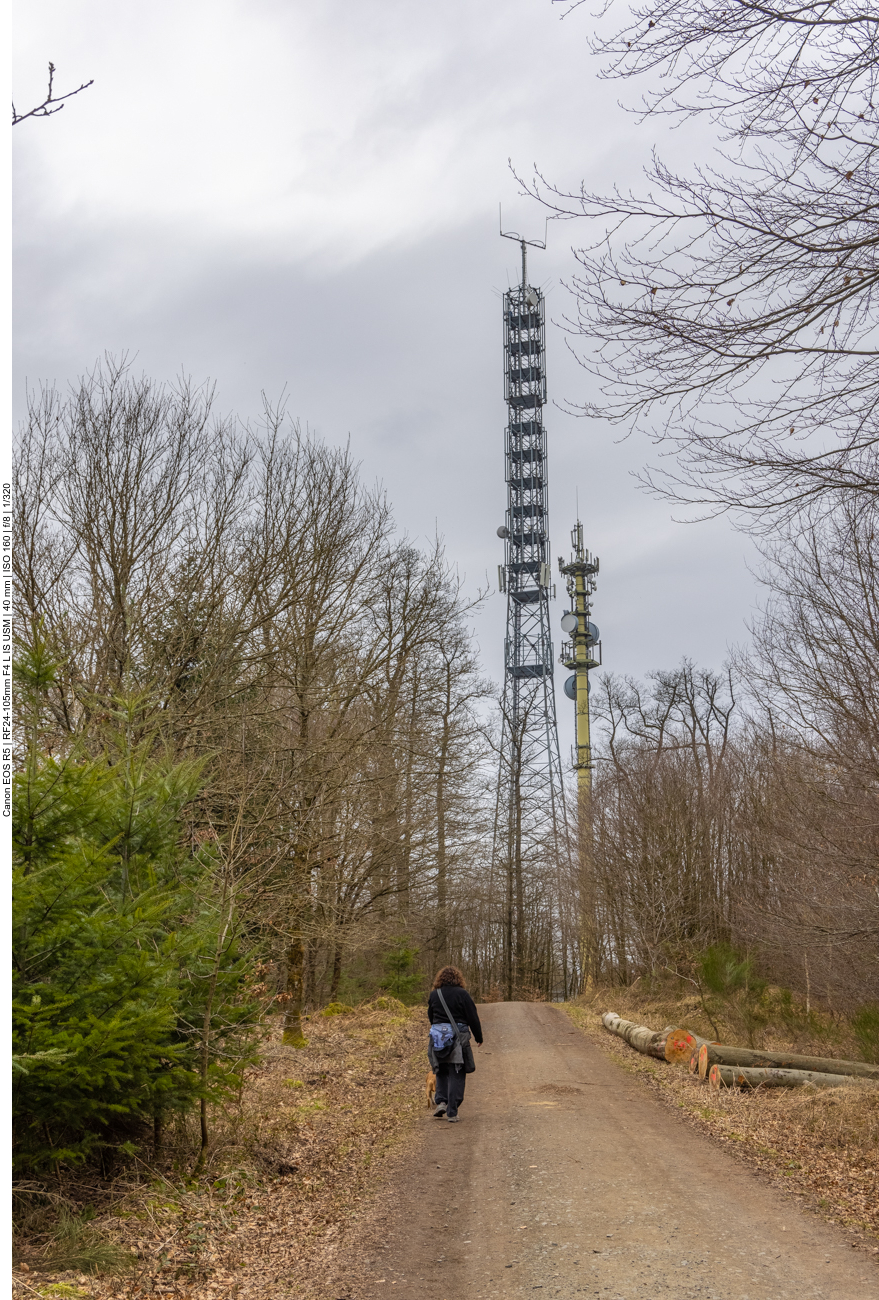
x,y
742,808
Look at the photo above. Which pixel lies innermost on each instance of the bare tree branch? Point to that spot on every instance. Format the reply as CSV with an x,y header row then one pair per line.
x,y
732,312
52,103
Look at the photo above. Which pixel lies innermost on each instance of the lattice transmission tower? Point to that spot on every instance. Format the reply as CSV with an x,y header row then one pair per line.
x,y
530,830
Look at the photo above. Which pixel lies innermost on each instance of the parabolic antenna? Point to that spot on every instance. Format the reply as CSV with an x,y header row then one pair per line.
x,y
503,532
570,623
593,636
571,686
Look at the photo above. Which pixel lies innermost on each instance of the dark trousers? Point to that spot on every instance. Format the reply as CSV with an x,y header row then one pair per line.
x,y
450,1087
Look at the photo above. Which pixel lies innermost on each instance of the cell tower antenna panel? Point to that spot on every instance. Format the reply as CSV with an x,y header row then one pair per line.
x,y
530,823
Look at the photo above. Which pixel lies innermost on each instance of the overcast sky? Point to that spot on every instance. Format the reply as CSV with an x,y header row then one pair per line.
x,y
303,197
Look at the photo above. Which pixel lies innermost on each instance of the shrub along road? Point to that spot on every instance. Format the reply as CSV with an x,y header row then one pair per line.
x,y
565,1177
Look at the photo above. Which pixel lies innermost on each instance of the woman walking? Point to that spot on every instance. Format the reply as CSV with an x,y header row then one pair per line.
x,y
450,1076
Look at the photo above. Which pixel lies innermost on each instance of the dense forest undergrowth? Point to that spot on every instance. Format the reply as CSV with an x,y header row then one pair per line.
x,y
292,1157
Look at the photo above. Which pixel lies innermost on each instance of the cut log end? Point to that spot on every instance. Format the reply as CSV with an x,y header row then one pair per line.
x,y
679,1047
682,1046
703,1065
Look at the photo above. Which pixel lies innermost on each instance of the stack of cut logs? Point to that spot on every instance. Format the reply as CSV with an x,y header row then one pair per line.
x,y
737,1067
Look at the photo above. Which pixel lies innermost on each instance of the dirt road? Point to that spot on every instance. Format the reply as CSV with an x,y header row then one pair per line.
x,y
565,1177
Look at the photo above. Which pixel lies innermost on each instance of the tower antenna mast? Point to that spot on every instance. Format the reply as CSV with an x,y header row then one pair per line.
x,y
524,243
581,653
530,833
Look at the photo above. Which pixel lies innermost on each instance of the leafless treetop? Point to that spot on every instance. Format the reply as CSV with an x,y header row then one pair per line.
x,y
731,310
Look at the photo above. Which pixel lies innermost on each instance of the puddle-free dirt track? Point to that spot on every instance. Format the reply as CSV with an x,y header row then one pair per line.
x,y
564,1178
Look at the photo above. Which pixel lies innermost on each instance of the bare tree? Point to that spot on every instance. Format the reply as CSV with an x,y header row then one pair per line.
x,y
816,752
129,493
456,690
665,868
733,309
245,588
523,885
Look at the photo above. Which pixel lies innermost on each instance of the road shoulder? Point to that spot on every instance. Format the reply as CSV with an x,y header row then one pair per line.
x,y
789,1140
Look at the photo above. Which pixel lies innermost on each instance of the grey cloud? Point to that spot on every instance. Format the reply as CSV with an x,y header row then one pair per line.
x,y
401,353
172,213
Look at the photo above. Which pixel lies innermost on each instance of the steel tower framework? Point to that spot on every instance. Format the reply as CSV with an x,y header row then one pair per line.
x,y
530,817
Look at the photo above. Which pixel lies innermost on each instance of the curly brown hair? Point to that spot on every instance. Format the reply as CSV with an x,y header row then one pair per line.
x,y
449,975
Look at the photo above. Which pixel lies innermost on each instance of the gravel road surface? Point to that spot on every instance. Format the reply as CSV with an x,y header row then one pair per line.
x,y
564,1178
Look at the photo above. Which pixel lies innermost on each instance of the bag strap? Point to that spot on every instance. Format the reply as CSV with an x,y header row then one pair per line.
x,y
452,1021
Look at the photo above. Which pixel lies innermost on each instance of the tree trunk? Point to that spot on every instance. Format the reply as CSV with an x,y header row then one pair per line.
x,y
589,928
729,1076
404,840
337,972
508,928
714,1054
649,1042
520,898
442,928
309,977
295,959
513,830
204,1135
205,1047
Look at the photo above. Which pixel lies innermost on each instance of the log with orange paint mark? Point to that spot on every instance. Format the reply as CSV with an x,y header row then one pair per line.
x,y
711,1054
731,1076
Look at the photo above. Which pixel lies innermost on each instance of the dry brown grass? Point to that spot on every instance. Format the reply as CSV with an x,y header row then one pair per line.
x,y
777,1020
821,1147
286,1170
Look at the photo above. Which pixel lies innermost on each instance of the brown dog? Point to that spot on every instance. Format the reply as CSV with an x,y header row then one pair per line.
x,y
431,1088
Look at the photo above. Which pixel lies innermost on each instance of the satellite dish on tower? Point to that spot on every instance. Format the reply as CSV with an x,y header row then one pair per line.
x,y
593,636
571,686
503,532
570,622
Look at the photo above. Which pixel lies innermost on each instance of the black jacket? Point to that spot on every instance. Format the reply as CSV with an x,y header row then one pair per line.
x,y
461,1006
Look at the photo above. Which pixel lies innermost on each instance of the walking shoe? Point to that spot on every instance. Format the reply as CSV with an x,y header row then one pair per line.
x,y
440,1112
453,1119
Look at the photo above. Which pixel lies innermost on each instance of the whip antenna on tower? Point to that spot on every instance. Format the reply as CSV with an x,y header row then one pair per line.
x,y
525,243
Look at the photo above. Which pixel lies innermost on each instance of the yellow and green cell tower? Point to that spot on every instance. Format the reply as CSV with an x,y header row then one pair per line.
x,y
582,652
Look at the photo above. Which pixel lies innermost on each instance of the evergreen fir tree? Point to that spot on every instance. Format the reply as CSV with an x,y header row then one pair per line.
x,y
126,978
